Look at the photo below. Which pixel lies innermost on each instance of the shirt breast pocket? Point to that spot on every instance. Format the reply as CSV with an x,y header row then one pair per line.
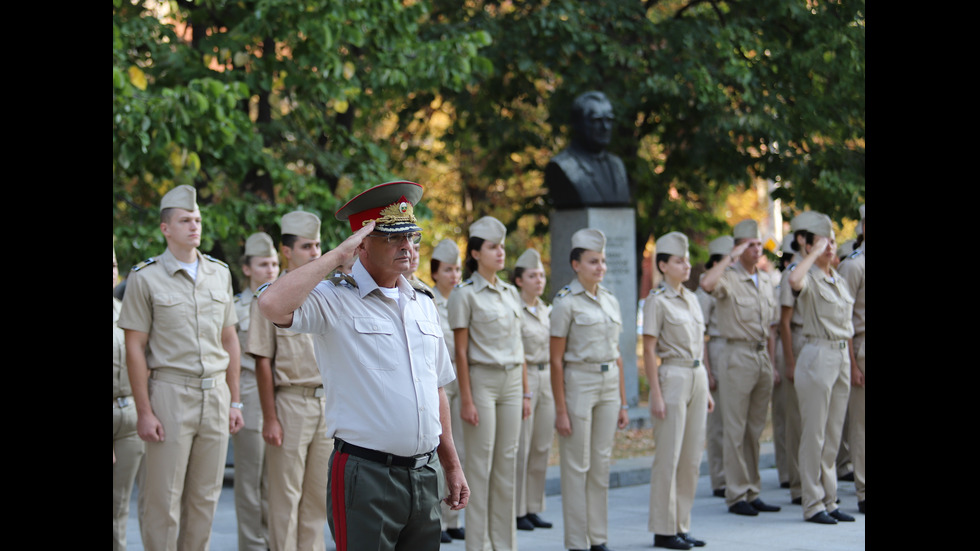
x,y
375,342
430,340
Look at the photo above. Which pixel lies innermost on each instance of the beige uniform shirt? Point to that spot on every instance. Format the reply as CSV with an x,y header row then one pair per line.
x,y
183,317
708,312
243,305
788,298
591,326
442,307
676,320
492,314
120,376
292,354
827,306
745,310
382,362
852,270
536,333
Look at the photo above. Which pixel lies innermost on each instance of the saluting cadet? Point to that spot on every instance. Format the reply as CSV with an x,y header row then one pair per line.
x,y
260,265
673,337
293,403
717,248
446,274
485,314
590,396
538,428
746,306
127,448
823,371
785,462
852,270
383,362
183,354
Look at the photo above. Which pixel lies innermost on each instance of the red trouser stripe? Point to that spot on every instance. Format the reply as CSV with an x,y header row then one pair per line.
x,y
337,497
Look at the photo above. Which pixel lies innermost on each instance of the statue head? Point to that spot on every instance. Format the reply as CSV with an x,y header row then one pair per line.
x,y
592,120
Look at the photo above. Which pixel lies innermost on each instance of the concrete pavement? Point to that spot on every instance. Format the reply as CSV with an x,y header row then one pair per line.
x,y
629,502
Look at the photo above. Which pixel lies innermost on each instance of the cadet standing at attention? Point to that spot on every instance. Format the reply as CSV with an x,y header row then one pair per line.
x,y
714,349
852,270
485,314
590,396
538,429
746,305
127,448
822,372
446,274
673,337
184,381
260,265
293,402
383,361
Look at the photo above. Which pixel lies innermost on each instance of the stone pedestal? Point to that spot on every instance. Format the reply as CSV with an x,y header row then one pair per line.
x,y
619,226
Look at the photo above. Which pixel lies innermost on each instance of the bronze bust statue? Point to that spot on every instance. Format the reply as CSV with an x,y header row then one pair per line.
x,y
584,174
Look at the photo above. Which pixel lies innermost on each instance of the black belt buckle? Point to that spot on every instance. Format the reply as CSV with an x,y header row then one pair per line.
x,y
422,460
603,367
843,345
760,346
697,363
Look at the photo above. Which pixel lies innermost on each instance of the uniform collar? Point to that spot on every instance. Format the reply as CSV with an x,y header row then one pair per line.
x,y
172,265
366,283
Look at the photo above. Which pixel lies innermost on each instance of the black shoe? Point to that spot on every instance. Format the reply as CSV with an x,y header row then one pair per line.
x,y
524,524
797,501
445,537
537,521
671,542
718,492
861,506
784,485
693,541
822,518
743,508
763,507
600,547
457,533
849,477
841,516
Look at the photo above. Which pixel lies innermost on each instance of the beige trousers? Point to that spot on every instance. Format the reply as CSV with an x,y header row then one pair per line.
x,y
251,485
491,458
592,401
746,386
537,434
715,426
793,422
679,438
182,476
855,414
129,450
450,518
297,473
823,380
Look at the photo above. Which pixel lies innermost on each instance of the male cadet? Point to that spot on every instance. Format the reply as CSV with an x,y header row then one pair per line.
x,y
182,353
852,270
746,306
260,265
293,401
384,362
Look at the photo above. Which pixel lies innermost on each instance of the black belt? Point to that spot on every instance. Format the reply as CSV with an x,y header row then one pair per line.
x,y
413,462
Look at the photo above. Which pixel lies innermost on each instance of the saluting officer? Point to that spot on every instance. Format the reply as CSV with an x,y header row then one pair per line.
x,y
293,403
184,380
485,314
590,396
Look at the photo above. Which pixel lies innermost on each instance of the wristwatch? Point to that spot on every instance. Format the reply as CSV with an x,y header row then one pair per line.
x,y
237,405
528,394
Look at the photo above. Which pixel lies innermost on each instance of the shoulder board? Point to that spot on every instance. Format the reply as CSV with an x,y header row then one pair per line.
x,y
856,253
564,291
465,283
791,267
422,288
215,260
238,297
338,278
659,290
261,288
144,264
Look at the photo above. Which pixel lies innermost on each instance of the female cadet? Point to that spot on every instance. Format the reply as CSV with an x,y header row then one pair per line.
x,y
445,272
485,314
537,430
590,398
823,371
673,336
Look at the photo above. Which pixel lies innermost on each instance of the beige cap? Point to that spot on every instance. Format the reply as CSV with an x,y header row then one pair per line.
x,y
301,223
746,229
845,248
259,244
787,247
721,245
181,197
447,252
805,221
590,239
860,230
490,229
674,243
529,260
822,226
